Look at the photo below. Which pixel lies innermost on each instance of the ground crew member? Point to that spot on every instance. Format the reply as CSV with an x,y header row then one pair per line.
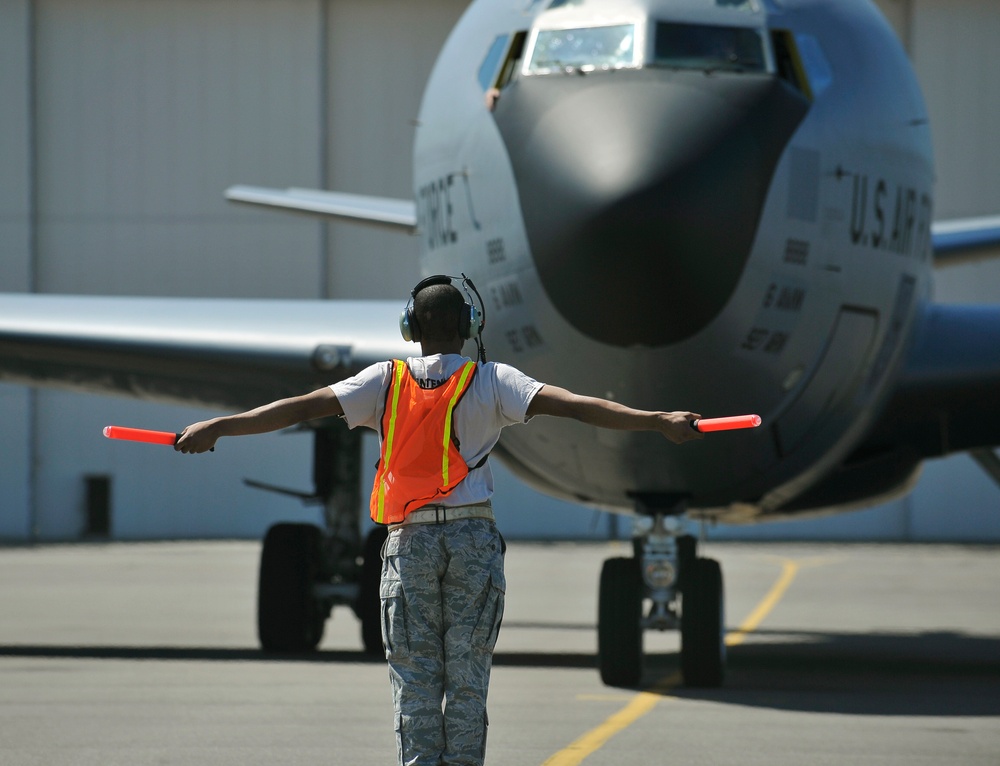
x,y
438,416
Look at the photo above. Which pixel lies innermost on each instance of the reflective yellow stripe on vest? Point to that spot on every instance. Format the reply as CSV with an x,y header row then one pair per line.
x,y
399,369
466,371
398,487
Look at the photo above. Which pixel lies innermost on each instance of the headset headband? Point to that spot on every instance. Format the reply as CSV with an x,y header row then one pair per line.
x,y
474,317
437,279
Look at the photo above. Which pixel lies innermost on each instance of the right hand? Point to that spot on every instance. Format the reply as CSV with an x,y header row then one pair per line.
x,y
677,426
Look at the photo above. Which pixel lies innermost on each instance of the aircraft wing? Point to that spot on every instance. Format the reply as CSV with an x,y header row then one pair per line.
x,y
965,239
947,398
215,352
385,212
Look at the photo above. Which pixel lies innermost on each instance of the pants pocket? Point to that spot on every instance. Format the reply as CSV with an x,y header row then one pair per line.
x,y
394,638
484,637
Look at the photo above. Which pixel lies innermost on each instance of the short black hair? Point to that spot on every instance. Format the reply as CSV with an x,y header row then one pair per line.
x,y
438,311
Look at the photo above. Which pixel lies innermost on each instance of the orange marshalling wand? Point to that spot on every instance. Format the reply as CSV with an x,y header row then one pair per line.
x,y
141,435
705,425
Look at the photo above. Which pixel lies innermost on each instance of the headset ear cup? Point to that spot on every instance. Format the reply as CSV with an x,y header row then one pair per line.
x,y
408,326
474,321
464,326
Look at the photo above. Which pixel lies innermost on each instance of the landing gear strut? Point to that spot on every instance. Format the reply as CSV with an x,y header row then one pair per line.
x,y
306,570
682,590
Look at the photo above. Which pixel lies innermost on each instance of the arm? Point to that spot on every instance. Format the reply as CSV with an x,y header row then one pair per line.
x,y
201,437
552,400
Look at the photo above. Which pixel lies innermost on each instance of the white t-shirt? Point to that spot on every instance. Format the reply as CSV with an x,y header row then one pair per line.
x,y
499,396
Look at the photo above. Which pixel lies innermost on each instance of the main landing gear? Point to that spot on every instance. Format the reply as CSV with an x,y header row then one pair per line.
x,y
681,589
306,570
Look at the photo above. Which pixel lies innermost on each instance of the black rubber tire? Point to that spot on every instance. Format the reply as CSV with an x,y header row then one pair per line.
x,y
289,618
703,626
687,552
619,623
368,607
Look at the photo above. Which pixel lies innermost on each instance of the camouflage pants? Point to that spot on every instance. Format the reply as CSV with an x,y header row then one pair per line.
x,y
442,601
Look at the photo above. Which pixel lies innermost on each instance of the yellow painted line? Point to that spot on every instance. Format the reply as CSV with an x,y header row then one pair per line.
x,y
643,702
604,697
595,739
788,571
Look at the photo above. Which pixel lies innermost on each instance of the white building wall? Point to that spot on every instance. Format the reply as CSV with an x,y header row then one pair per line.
x,y
15,146
381,55
146,112
15,252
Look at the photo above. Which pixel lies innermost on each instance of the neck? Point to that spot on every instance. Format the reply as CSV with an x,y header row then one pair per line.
x,y
429,347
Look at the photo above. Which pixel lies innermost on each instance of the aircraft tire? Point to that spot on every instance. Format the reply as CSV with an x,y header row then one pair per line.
x,y
289,618
703,627
619,623
369,605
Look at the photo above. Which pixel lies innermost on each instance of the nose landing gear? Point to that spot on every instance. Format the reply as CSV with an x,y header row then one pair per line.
x,y
681,589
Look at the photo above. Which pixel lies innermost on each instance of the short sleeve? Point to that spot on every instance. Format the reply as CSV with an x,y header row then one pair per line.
x,y
359,395
515,390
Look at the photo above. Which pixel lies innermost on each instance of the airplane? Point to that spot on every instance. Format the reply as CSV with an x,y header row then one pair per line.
x,y
716,205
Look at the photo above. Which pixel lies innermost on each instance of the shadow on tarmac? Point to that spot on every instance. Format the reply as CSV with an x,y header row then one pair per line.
x,y
887,674
181,653
880,674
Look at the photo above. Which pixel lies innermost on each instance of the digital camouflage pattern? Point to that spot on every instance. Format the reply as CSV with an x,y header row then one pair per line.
x,y
442,601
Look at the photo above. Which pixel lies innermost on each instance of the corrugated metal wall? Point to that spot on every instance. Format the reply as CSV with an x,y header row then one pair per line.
x,y
381,56
123,121
145,111
15,252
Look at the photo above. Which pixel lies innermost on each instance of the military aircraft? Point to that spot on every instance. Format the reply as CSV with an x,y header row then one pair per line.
x,y
716,205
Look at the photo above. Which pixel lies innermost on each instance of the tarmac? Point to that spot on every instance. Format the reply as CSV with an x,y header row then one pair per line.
x,y
145,653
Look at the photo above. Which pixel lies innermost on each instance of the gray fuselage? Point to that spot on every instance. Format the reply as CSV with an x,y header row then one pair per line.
x,y
677,224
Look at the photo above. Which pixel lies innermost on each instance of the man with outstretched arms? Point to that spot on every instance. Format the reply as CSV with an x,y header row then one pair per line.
x,y
438,416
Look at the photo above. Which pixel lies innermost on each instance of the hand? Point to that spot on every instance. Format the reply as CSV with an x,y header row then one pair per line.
x,y
676,426
197,438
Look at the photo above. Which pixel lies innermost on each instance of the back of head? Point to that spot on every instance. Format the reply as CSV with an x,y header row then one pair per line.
x,y
438,311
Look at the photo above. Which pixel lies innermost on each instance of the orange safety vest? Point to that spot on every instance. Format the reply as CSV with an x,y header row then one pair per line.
x,y
420,461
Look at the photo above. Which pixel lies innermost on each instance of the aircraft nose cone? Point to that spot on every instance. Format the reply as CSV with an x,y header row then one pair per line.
x,y
642,190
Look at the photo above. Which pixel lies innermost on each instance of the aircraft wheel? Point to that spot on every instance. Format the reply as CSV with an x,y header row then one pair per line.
x,y
368,607
619,622
703,626
289,618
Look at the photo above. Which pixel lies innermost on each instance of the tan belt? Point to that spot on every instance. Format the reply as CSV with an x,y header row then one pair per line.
x,y
441,514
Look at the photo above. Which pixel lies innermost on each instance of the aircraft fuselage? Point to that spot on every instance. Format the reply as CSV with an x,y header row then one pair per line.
x,y
716,206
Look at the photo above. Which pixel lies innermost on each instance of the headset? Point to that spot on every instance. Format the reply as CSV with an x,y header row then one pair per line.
x,y
471,320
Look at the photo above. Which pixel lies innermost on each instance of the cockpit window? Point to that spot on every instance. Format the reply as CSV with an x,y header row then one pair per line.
x,y
696,46
593,48
488,69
